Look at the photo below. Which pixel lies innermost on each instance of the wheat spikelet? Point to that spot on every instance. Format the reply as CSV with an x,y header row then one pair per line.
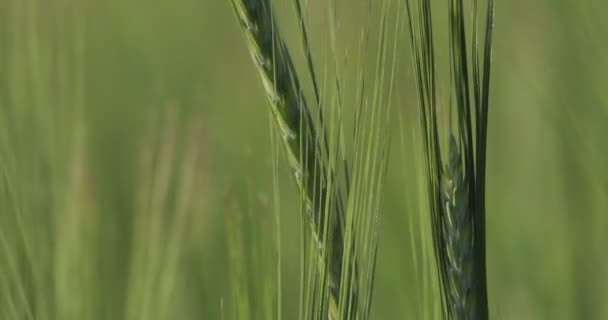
x,y
457,235
300,137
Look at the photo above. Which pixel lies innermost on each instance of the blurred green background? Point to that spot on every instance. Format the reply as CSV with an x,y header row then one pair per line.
x,y
134,133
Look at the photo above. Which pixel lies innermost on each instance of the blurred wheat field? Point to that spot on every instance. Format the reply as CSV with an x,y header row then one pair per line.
x,y
136,166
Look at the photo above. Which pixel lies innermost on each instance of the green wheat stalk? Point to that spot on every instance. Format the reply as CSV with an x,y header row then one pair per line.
x,y
456,185
304,144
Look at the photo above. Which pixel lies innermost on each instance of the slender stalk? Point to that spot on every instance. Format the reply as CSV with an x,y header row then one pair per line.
x,y
456,183
303,144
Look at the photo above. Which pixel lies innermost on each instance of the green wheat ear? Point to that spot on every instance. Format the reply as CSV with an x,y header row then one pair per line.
x,y
456,185
458,233
301,139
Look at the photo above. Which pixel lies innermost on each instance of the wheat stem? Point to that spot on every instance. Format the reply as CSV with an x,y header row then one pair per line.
x,y
456,186
301,139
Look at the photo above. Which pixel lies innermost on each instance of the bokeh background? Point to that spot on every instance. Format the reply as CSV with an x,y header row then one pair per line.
x,y
135,148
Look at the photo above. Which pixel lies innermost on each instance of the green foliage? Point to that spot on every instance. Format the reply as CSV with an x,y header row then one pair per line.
x,y
137,180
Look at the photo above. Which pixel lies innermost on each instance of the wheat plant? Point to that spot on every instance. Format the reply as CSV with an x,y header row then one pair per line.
x,y
456,177
295,120
340,202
